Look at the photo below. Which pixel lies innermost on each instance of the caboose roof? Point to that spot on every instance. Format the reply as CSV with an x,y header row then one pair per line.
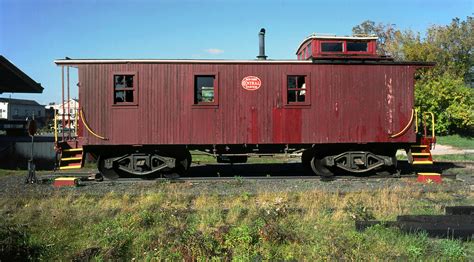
x,y
72,62
174,61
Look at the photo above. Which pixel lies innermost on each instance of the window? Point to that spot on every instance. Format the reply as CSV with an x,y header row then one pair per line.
x,y
296,89
309,52
124,89
205,90
331,47
356,47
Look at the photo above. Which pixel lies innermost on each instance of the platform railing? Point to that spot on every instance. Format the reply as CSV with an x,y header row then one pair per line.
x,y
64,125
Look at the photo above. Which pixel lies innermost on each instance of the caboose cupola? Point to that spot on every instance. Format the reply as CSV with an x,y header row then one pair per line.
x,y
318,46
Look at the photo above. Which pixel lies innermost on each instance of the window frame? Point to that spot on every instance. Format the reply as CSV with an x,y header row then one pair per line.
x,y
215,103
332,42
307,101
135,89
356,52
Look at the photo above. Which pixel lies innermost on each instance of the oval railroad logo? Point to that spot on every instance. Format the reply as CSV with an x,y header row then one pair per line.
x,y
251,83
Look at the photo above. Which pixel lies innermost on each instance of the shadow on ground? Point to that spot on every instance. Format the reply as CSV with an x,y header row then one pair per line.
x,y
296,169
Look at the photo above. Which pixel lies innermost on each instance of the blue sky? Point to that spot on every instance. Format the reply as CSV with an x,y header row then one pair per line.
x,y
33,32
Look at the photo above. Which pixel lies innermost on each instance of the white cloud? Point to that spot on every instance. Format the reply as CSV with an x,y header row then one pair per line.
x,y
214,51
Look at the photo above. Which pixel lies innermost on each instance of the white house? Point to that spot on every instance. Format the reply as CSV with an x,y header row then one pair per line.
x,y
60,109
69,110
20,109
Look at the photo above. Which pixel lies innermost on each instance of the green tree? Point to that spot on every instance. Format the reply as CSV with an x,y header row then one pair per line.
x,y
387,34
450,46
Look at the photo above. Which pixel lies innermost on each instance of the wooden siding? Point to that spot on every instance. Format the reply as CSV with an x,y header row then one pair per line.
x,y
349,104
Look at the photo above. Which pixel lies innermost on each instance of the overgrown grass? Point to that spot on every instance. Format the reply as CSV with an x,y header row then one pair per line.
x,y
173,225
7,172
20,172
464,142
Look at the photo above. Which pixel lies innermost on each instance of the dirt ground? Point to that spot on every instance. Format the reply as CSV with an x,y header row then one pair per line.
x,y
449,150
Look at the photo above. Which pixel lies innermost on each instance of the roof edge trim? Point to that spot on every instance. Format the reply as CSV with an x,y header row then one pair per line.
x,y
187,61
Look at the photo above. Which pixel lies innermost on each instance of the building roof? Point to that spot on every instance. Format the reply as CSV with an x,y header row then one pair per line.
x,y
14,80
19,101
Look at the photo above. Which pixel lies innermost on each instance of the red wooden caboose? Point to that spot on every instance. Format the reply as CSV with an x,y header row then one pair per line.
x,y
345,106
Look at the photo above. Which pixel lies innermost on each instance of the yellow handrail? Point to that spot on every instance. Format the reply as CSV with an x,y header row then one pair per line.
x,y
406,127
416,121
432,123
88,128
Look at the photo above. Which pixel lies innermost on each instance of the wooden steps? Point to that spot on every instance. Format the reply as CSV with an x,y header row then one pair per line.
x,y
71,158
420,155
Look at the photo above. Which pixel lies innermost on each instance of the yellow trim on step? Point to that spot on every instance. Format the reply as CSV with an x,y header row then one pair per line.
x,y
425,162
429,174
73,149
69,167
421,146
420,154
71,158
66,179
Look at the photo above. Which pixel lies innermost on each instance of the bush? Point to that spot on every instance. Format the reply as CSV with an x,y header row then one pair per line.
x,y
450,101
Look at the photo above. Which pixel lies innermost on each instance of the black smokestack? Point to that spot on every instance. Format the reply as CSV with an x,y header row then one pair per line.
x,y
261,45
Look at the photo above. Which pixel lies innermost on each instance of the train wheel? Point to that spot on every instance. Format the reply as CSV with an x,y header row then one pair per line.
x,y
306,157
319,168
390,170
183,163
107,173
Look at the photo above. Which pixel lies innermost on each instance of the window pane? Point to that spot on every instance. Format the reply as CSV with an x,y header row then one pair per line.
x,y
119,81
356,47
129,96
129,81
301,82
300,95
204,88
331,47
291,82
119,96
291,96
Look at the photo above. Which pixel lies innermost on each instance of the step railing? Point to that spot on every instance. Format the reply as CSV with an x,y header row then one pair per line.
x,y
426,139
63,125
